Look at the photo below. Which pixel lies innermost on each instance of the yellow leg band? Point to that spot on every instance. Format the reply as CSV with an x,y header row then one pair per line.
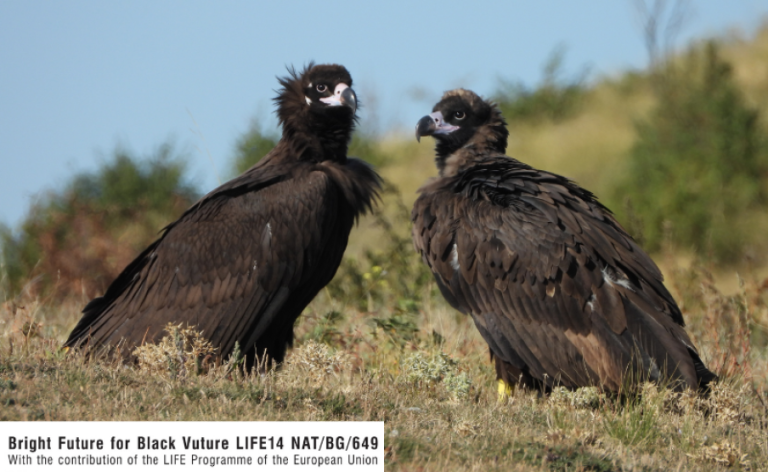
x,y
505,390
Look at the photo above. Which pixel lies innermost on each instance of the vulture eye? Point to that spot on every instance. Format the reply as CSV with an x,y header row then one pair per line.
x,y
321,88
459,115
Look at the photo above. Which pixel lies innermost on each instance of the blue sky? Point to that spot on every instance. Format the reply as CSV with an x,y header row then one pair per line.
x,y
79,78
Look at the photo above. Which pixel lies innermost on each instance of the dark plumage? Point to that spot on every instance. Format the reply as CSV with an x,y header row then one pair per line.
x,y
243,262
559,291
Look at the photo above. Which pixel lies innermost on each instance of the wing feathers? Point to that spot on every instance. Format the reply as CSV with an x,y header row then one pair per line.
x,y
550,278
228,266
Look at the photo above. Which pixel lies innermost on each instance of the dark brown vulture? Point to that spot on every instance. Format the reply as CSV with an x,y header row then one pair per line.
x,y
243,262
556,287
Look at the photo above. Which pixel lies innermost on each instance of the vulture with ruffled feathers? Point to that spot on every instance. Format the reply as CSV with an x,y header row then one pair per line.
x,y
557,288
242,263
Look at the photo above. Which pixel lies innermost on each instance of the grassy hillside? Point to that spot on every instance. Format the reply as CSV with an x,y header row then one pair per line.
x,y
427,375
380,343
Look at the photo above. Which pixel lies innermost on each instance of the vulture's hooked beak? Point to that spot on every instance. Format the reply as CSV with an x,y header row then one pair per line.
x,y
433,124
342,95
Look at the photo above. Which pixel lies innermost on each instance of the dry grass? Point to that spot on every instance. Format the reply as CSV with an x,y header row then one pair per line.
x,y
436,392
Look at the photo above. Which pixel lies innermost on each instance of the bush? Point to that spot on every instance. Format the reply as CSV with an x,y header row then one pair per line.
x,y
390,278
554,99
77,240
252,146
699,164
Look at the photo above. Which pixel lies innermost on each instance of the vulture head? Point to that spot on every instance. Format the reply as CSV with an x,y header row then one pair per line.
x,y
318,103
462,118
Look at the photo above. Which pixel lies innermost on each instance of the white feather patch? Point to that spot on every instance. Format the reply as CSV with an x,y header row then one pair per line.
x,y
613,280
654,372
455,259
309,102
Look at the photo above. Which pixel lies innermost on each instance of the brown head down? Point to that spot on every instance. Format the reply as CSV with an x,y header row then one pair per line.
x,y
316,108
463,124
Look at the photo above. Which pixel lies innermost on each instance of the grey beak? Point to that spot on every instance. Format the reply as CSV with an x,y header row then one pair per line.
x,y
425,127
349,99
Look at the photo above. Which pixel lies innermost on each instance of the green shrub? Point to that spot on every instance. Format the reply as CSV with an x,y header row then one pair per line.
x,y
554,99
252,146
698,168
78,239
391,277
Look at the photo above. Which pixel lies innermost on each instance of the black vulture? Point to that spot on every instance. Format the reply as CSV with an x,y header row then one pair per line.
x,y
557,288
242,263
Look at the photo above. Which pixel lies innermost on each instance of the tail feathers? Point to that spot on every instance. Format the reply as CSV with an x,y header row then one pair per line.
x,y
85,329
664,342
82,330
704,376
